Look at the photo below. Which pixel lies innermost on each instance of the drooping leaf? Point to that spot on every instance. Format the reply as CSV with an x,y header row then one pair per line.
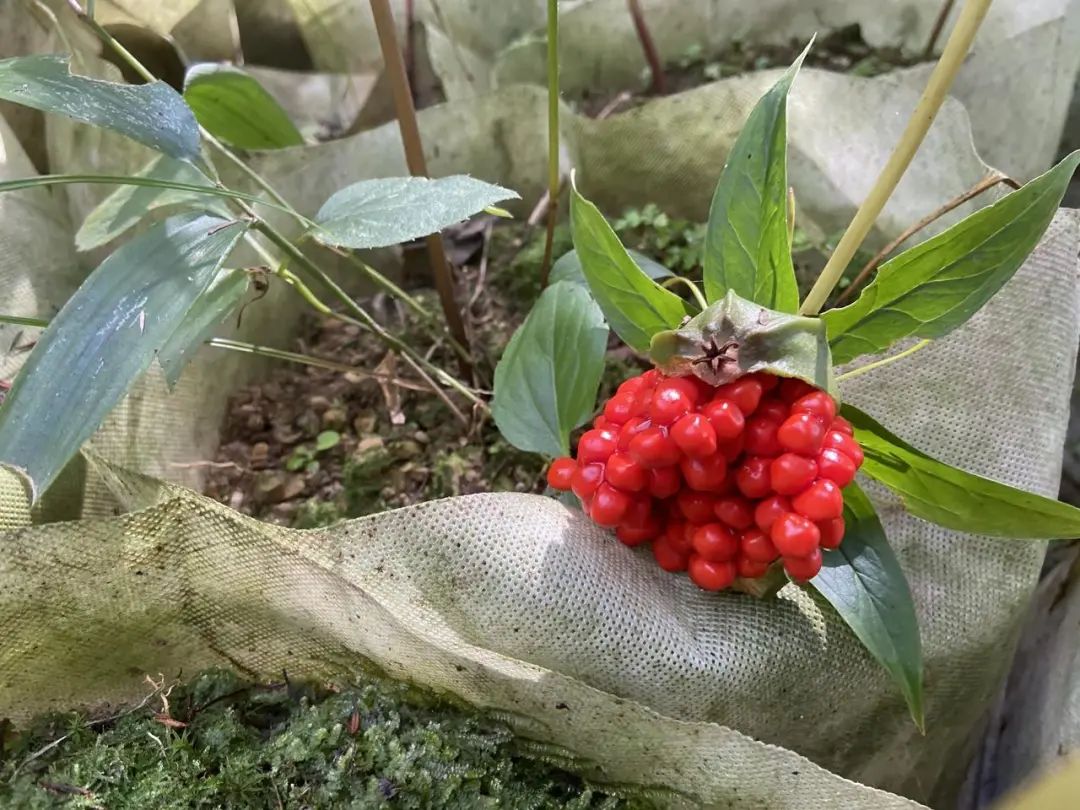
x,y
746,242
105,336
232,105
933,288
391,210
864,583
153,114
635,306
568,267
206,313
547,379
734,337
126,206
956,499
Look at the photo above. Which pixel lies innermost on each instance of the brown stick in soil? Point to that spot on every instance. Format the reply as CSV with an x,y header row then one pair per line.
x,y
985,184
414,159
652,56
939,25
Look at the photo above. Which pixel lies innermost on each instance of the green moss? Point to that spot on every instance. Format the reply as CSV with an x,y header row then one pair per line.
x,y
238,745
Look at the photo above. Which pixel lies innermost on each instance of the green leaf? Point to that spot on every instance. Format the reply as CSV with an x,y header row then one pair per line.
x,y
203,317
326,440
232,105
733,337
746,242
153,114
129,204
105,336
391,210
635,305
933,288
568,268
547,379
956,499
863,581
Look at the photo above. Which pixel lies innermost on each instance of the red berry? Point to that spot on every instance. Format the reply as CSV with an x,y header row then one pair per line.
x,y
836,466
732,449
664,482
832,532
671,400
651,377
622,472
697,507
818,403
802,433
679,536
773,409
715,542
640,523
668,558
561,473
752,477
705,474
631,428
757,546
654,448
768,381
769,509
751,569
821,501
586,479
601,423
794,535
608,506
802,569
736,512
791,389
745,392
726,418
635,536
703,391
845,444
619,409
761,437
791,473
709,575
694,435
595,446
642,400
843,425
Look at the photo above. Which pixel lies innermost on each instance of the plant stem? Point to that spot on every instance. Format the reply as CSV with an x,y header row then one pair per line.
x,y
939,24
858,372
694,290
414,158
986,183
790,217
648,46
971,16
553,136
18,320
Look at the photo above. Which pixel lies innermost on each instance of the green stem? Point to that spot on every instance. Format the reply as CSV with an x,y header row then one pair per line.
x,y
937,87
694,290
151,182
305,359
20,321
885,361
553,137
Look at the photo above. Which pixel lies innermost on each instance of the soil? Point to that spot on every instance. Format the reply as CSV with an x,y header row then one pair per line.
x,y
220,741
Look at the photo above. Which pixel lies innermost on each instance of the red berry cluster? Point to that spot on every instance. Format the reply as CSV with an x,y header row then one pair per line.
x,y
722,481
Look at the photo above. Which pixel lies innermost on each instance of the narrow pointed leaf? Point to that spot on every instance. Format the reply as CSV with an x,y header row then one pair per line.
x,y
746,242
568,268
635,306
127,206
153,114
232,105
864,583
105,336
392,210
207,312
956,499
547,379
933,288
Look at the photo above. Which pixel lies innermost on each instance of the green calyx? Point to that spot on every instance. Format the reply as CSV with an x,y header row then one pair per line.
x,y
734,336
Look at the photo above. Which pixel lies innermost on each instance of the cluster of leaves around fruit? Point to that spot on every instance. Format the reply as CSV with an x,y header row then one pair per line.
x,y
161,294
221,741
751,301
